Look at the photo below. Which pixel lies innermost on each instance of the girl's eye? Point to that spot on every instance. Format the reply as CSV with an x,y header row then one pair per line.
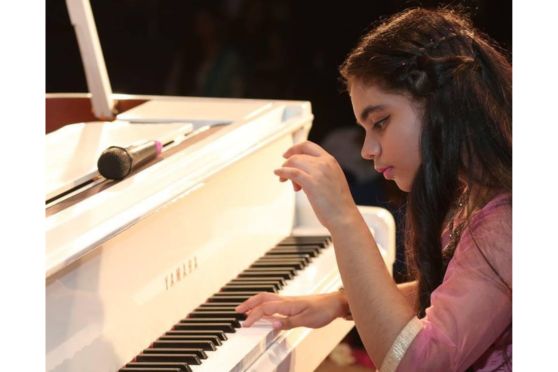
x,y
379,125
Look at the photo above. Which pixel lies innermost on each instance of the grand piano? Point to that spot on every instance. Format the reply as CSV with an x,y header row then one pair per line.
x,y
142,274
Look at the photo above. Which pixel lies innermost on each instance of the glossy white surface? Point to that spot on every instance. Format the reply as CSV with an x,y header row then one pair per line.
x,y
204,214
72,151
199,110
77,230
119,295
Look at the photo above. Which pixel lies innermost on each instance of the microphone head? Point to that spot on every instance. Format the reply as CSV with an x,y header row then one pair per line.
x,y
114,163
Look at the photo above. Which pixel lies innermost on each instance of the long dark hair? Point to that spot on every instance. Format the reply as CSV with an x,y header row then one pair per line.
x,y
463,81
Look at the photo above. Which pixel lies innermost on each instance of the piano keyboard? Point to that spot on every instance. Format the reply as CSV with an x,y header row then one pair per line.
x,y
211,336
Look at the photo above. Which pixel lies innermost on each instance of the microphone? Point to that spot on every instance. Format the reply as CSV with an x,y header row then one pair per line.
x,y
117,162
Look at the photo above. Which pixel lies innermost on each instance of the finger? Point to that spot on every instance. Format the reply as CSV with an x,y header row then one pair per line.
x,y
293,174
253,316
282,307
303,162
296,186
306,147
266,296
256,300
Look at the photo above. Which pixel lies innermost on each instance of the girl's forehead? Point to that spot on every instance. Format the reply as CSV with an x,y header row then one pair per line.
x,y
361,93
369,100
360,90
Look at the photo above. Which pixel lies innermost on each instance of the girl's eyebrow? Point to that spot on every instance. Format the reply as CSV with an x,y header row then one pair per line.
x,y
368,110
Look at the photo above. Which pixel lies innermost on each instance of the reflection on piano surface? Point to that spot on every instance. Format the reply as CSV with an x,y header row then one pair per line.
x,y
144,273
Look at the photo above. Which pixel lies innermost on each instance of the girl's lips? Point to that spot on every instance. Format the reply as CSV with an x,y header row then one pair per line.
x,y
386,171
382,170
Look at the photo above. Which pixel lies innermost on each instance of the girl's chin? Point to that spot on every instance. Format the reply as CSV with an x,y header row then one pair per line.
x,y
403,186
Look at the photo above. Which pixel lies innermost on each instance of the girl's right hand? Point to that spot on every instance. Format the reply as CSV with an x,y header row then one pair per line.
x,y
312,311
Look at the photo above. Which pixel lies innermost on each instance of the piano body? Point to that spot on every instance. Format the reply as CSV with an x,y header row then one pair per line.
x,y
127,260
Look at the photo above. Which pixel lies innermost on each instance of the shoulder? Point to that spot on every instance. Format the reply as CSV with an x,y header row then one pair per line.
x,y
492,225
486,242
497,211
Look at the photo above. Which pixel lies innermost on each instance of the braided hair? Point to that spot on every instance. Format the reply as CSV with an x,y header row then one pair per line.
x,y
463,82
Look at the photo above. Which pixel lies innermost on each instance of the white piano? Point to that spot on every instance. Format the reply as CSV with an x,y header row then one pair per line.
x,y
127,261
145,271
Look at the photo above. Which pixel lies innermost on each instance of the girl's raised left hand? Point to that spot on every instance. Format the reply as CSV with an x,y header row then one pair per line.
x,y
319,175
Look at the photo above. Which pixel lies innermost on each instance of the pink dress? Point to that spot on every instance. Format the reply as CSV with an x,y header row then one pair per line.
x,y
469,321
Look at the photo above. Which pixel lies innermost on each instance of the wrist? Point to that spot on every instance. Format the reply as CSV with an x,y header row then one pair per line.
x,y
346,222
345,309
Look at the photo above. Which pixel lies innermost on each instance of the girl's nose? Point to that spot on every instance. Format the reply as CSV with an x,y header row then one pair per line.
x,y
370,148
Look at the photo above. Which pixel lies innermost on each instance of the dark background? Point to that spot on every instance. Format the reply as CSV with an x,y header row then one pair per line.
x,y
282,49
276,49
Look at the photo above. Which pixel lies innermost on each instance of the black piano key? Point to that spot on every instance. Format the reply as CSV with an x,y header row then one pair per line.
x,y
312,245
300,257
230,320
249,287
277,264
225,327
286,275
182,367
268,280
312,251
217,314
267,272
233,294
215,306
198,352
142,369
319,237
192,359
214,340
198,332
319,245
228,299
306,240
289,254
278,258
298,260
276,285
183,344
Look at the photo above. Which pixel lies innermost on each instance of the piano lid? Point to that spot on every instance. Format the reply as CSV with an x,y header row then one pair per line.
x,y
201,111
76,230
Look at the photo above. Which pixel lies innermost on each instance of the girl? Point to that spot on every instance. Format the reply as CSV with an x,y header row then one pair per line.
x,y
433,96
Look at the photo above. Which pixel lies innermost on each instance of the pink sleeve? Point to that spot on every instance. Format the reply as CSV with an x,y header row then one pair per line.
x,y
472,307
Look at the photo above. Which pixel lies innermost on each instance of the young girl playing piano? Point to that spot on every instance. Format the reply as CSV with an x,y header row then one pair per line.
x,y
433,96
